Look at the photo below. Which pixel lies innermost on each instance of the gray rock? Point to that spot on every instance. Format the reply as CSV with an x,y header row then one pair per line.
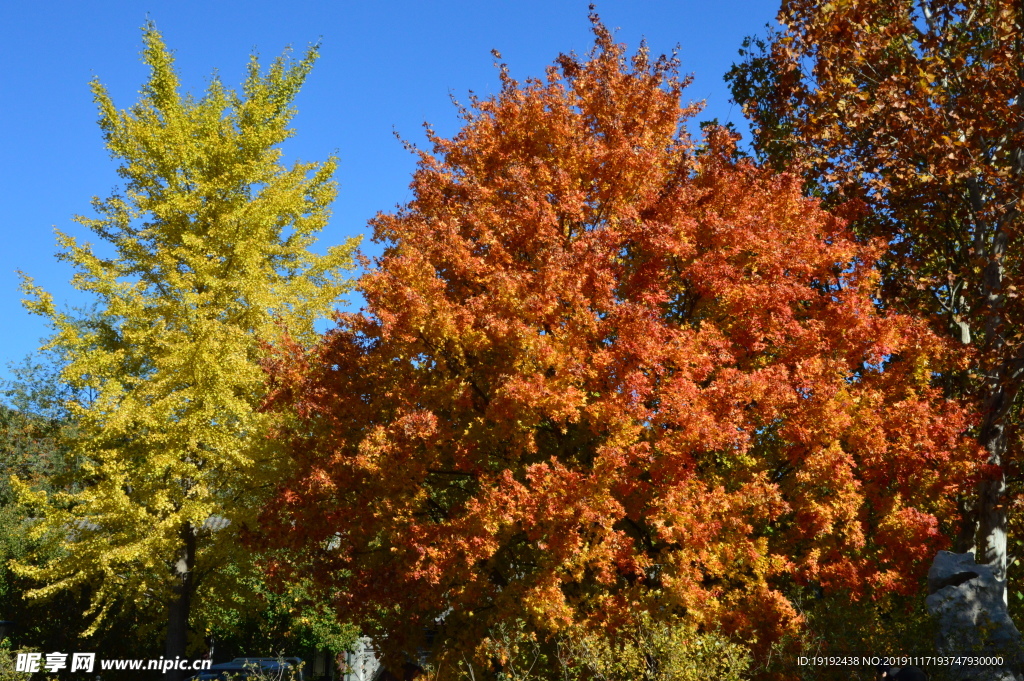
x,y
966,599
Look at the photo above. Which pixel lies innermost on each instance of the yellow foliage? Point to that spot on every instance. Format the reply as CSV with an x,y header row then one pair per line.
x,y
211,264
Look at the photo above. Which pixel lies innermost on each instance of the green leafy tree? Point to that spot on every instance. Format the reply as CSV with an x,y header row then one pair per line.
x,y
33,426
206,263
271,616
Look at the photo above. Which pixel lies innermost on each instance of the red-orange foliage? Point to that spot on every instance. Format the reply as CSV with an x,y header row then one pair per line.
x,y
915,109
602,369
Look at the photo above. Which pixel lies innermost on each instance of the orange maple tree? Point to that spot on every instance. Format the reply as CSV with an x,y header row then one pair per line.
x,y
914,110
604,369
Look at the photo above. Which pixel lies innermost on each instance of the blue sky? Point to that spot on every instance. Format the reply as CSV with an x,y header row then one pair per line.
x,y
385,66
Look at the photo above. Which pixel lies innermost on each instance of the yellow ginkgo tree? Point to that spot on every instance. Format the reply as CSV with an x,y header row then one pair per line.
x,y
206,263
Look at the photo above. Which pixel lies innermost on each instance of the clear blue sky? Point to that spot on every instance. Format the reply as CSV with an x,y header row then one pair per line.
x,y
385,66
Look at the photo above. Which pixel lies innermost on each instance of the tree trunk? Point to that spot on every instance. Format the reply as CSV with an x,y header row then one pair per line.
x,y
966,540
1001,383
178,612
991,510
991,517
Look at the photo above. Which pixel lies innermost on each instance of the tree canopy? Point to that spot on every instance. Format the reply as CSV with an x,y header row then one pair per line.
x,y
205,261
912,111
605,370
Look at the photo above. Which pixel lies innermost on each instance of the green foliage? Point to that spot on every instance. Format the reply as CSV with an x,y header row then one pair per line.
x,y
838,625
259,617
35,427
7,660
647,650
656,651
30,435
257,672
